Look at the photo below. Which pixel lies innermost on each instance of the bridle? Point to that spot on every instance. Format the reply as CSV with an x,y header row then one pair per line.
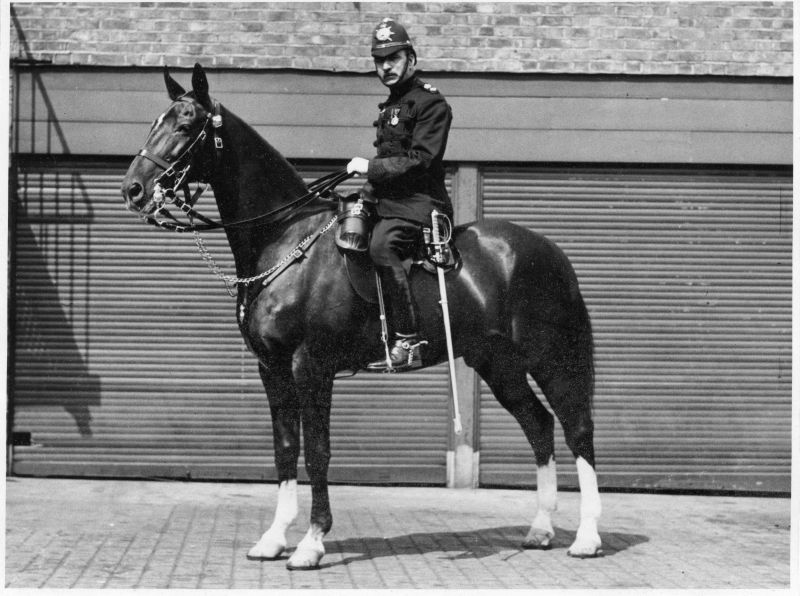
x,y
174,180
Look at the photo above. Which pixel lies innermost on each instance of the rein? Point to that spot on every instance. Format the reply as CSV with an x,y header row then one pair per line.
x,y
318,189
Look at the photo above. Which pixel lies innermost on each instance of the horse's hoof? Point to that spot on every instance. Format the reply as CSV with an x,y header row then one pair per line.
x,y
266,549
263,558
588,551
304,560
533,545
587,543
538,539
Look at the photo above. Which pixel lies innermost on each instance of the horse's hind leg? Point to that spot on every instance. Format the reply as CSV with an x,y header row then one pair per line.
x,y
286,430
569,392
507,379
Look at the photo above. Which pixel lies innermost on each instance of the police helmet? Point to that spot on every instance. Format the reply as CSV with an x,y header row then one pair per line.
x,y
390,36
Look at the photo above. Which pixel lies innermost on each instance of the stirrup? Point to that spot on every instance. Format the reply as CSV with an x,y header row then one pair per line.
x,y
404,355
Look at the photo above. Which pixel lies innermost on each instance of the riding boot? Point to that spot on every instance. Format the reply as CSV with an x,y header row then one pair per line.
x,y
405,352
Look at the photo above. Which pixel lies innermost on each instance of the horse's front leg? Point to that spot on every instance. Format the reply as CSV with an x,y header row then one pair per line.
x,y
316,385
285,412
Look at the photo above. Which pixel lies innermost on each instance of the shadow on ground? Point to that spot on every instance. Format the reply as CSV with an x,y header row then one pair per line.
x,y
476,544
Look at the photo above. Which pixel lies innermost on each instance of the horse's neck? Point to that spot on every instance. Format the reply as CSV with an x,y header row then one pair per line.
x,y
252,180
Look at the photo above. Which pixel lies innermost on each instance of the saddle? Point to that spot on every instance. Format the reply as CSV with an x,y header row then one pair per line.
x,y
356,217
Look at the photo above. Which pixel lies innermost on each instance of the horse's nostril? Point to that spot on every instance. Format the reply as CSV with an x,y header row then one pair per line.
x,y
135,191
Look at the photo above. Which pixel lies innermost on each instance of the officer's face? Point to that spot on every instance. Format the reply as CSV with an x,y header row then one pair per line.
x,y
395,68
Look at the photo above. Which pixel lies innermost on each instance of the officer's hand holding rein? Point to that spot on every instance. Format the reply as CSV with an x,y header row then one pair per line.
x,y
358,165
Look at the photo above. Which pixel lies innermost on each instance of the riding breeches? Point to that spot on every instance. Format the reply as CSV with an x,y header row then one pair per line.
x,y
392,249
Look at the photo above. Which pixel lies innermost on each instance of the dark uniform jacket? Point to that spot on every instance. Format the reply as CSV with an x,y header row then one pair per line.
x,y
407,175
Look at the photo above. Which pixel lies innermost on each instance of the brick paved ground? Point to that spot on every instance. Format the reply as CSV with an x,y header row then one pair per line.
x,y
136,534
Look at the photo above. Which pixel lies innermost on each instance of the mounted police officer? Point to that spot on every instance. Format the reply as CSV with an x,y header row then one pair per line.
x,y
405,178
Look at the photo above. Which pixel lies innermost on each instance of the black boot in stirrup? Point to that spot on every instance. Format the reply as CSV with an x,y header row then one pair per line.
x,y
403,355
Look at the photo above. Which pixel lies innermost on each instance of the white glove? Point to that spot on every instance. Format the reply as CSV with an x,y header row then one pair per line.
x,y
359,165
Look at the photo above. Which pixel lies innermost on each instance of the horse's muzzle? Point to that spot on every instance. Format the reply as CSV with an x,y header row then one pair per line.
x,y
135,196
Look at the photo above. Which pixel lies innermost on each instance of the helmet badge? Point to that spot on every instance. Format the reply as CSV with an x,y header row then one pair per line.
x,y
384,33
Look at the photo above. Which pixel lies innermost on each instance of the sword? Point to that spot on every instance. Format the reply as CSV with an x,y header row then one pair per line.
x,y
446,316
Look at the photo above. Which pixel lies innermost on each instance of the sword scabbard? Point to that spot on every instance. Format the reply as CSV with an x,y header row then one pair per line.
x,y
446,318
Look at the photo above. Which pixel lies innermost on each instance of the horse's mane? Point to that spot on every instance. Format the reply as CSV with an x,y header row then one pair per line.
x,y
282,178
282,172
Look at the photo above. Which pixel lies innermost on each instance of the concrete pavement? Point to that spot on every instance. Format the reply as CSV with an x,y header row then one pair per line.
x,y
63,533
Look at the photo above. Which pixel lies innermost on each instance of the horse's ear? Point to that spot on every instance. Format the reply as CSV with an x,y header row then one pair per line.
x,y
200,86
173,87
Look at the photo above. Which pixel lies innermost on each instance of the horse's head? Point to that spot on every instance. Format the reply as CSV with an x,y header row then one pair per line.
x,y
178,149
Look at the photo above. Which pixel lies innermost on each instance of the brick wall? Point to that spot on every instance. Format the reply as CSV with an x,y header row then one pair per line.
x,y
664,38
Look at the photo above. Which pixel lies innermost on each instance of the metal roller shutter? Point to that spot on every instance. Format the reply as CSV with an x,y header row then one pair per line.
x,y
687,276
127,361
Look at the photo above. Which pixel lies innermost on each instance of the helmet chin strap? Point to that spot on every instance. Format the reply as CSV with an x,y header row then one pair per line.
x,y
410,68
408,72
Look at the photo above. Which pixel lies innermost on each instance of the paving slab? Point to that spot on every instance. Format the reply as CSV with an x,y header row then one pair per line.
x,y
123,534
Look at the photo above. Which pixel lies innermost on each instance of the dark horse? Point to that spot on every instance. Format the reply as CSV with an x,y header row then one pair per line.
x,y
515,308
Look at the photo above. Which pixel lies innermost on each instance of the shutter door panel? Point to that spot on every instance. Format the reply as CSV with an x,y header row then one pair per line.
x,y
687,277
127,360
